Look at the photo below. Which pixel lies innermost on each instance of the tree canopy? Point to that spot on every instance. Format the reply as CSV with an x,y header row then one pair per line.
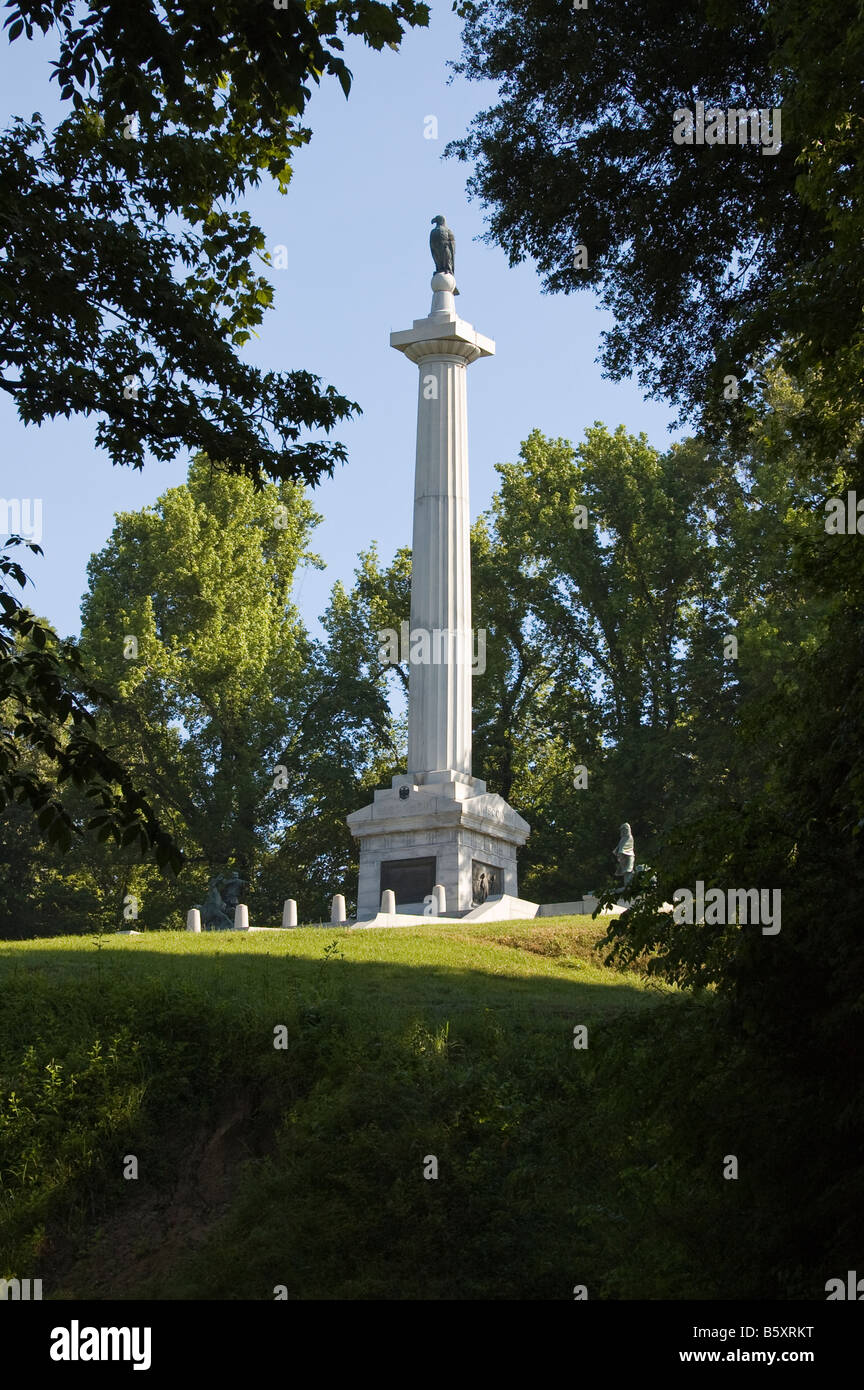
x,y
711,257
250,740
129,275
130,279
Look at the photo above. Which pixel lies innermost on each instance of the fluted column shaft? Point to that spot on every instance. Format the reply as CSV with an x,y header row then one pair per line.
x,y
441,647
439,691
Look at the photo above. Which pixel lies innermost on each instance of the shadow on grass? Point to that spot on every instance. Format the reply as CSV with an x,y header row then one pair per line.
x,y
267,976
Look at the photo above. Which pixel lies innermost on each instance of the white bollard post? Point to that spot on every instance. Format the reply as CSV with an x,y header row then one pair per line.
x,y
193,919
337,911
439,893
241,917
289,912
388,900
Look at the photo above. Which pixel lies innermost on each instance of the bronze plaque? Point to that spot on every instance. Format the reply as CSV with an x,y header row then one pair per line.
x,y
487,881
412,880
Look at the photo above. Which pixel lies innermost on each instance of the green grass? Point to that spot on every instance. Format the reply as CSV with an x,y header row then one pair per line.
x,y
302,1167
467,957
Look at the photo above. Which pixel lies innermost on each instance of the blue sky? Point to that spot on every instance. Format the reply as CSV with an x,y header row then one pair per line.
x,y
356,222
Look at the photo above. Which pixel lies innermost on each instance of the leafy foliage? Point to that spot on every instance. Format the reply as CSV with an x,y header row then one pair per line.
x,y
712,258
129,280
47,735
130,277
597,574
600,1166
251,740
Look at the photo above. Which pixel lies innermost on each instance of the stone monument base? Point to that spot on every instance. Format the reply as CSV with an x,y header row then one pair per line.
x,y
436,827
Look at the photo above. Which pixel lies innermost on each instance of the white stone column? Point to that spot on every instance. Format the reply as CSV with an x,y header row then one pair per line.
x,y
439,691
437,810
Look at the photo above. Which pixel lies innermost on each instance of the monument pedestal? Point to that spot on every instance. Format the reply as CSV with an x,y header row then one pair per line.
x,y
436,827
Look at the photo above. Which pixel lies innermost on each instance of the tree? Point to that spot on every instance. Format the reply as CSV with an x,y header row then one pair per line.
x,y
252,741
598,578
790,812
350,742
47,737
721,263
190,626
128,282
709,256
129,279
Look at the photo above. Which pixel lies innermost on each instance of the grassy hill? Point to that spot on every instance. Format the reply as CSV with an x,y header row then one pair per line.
x,y
301,1166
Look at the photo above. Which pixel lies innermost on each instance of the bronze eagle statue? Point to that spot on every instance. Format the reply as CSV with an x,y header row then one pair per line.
x,y
442,244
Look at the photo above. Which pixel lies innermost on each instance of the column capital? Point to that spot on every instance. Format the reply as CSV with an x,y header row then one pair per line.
x,y
442,334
